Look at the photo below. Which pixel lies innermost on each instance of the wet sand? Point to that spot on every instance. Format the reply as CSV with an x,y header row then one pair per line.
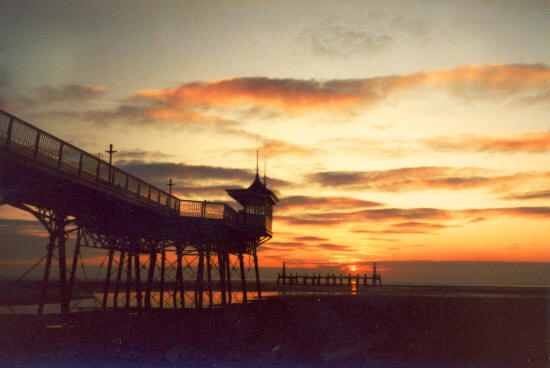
x,y
382,327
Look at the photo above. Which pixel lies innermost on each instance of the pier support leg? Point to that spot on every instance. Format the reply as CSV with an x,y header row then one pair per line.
x,y
107,278
46,277
162,268
198,284
76,254
209,275
150,278
221,272
137,266
178,278
61,237
128,279
181,280
118,277
228,268
257,271
243,278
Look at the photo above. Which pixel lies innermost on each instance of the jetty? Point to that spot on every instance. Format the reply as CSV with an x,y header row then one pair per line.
x,y
284,279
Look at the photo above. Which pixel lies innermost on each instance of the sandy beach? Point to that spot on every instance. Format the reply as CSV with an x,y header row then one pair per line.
x,y
391,326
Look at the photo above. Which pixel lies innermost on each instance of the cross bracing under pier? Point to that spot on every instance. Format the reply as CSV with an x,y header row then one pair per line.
x,y
161,251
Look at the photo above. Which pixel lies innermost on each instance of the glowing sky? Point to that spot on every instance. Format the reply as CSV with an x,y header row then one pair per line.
x,y
392,130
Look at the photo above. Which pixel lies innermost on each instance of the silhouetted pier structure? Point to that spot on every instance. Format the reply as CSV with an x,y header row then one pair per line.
x,y
284,279
152,238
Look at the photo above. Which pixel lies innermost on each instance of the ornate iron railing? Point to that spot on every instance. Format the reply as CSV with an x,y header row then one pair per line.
x,y
26,140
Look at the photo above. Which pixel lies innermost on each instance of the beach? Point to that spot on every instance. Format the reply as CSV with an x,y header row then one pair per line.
x,y
389,326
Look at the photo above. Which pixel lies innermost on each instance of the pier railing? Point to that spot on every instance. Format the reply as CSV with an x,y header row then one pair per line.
x,y
35,144
328,280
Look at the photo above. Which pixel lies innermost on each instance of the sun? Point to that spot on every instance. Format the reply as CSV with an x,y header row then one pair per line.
x,y
352,268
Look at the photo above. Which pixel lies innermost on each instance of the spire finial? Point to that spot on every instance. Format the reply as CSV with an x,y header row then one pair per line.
x,y
257,167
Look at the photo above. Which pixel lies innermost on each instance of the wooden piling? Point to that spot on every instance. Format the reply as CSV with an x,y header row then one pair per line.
x,y
161,285
243,278
118,278
107,278
150,278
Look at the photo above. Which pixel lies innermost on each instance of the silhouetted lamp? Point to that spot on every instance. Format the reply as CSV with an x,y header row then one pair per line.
x,y
257,202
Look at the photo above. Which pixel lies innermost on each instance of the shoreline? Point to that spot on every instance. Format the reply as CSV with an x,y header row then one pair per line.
x,y
375,329
28,292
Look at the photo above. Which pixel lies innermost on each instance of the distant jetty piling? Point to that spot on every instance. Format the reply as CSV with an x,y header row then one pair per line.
x,y
284,279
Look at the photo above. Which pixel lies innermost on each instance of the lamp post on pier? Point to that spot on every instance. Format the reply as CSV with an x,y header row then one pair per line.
x,y
110,152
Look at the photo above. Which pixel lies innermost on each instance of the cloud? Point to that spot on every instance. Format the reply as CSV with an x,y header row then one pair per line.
x,y
70,92
534,142
217,103
412,29
411,227
284,94
393,148
309,239
165,170
342,42
336,247
272,148
323,203
544,194
27,228
409,215
193,180
525,212
46,95
419,178
140,155
300,96
365,216
284,245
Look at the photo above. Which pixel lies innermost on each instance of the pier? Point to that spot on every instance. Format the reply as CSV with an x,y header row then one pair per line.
x,y
284,279
152,240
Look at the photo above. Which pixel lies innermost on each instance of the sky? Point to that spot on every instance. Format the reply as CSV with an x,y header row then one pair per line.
x,y
414,134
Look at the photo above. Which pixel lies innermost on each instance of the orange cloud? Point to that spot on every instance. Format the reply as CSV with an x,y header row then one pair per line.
x,y
323,203
285,94
418,178
273,148
410,215
528,142
294,95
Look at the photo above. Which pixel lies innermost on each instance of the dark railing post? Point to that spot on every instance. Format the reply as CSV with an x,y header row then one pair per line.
x,y
80,160
36,143
8,134
97,171
60,154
